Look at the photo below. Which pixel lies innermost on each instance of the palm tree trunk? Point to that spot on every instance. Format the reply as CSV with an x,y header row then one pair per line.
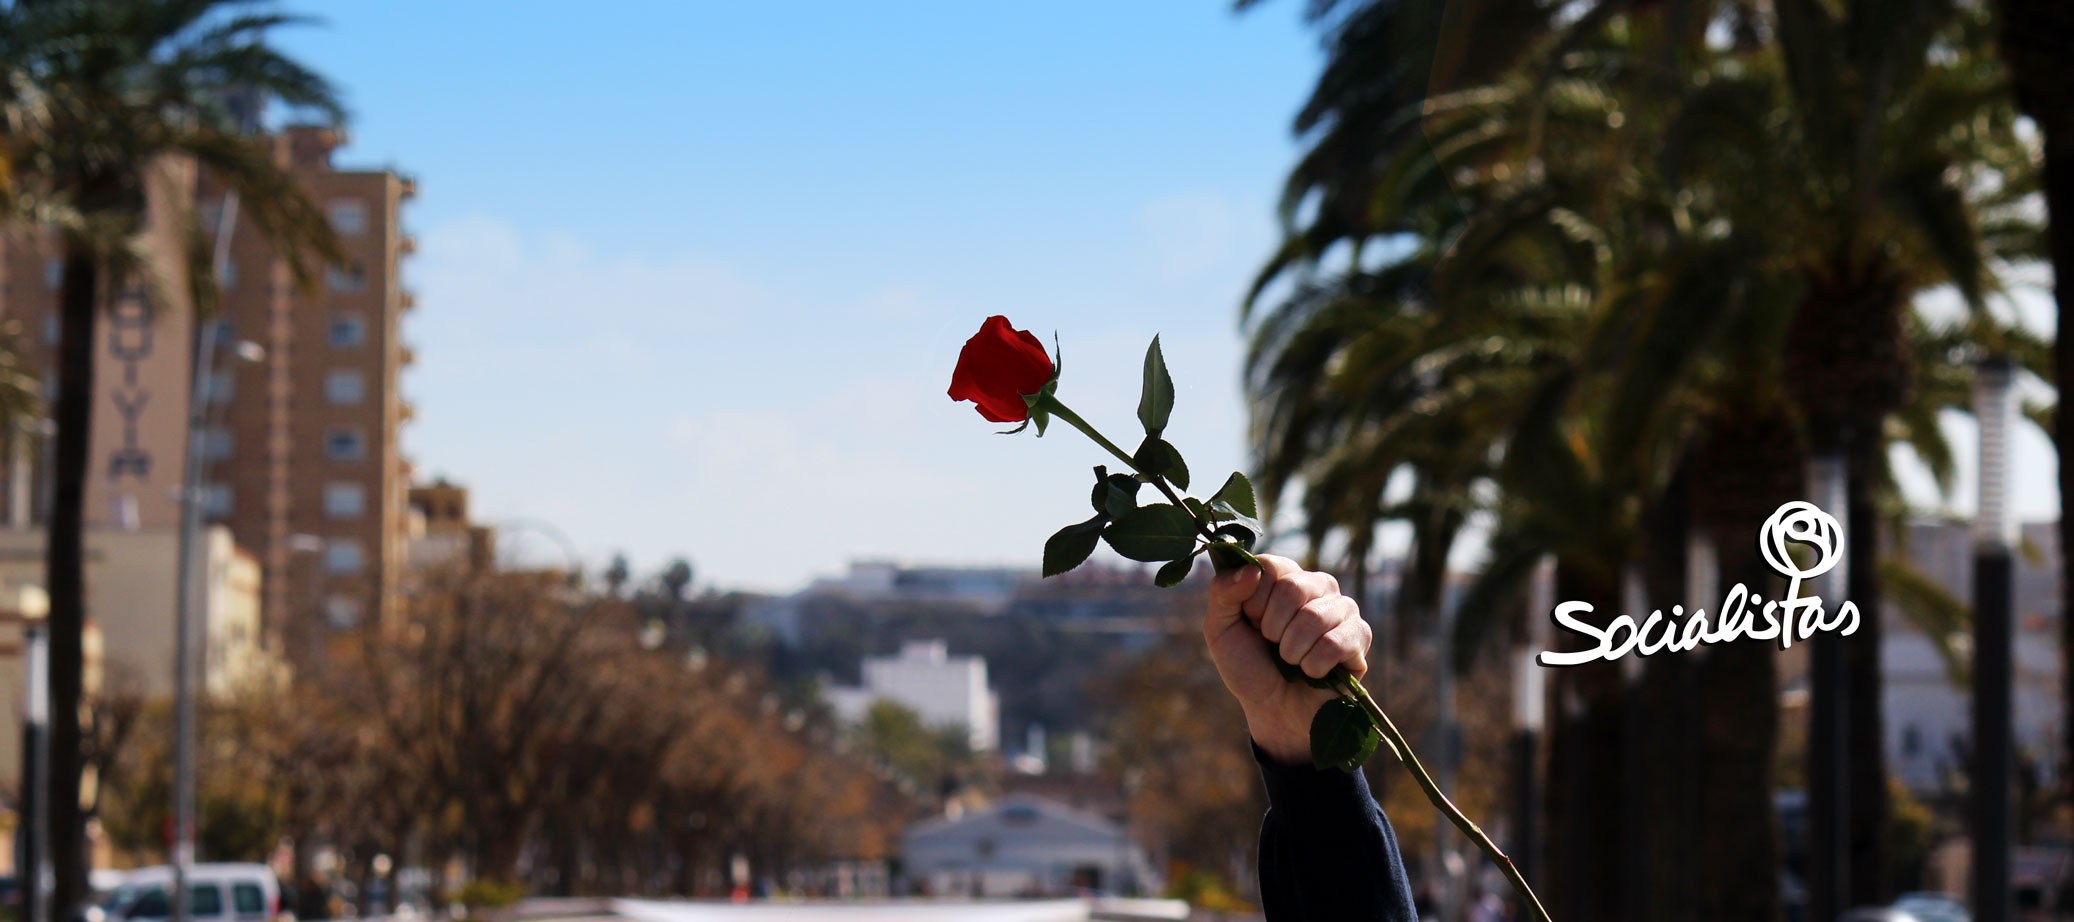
x,y
1738,857
1867,767
1750,460
2038,43
1584,853
64,574
1669,702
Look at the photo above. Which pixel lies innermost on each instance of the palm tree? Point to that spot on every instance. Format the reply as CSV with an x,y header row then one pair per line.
x,y
119,86
2037,41
1882,152
1682,283
1530,337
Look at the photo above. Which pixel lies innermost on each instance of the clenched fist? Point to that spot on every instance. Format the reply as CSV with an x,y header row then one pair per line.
x,y
1297,614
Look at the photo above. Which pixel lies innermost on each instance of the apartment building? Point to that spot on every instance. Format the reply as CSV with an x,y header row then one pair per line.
x,y
306,468
300,452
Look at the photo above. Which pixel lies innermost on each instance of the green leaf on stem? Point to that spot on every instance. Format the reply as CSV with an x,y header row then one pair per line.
x,y
1153,534
1246,530
1227,556
1238,492
1071,545
1174,572
1156,401
1341,736
1121,496
1157,458
1115,494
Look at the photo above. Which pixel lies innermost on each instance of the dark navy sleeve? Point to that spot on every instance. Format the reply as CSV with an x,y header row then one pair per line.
x,y
1326,850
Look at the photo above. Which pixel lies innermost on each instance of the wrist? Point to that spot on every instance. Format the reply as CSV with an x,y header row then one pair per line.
x,y
1279,737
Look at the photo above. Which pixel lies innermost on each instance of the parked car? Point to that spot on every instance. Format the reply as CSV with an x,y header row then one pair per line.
x,y
1933,907
1876,914
215,893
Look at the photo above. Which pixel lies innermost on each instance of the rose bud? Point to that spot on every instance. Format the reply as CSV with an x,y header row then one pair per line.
x,y
998,367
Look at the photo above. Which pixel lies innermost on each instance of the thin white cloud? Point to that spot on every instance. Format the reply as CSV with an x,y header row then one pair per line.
x,y
772,432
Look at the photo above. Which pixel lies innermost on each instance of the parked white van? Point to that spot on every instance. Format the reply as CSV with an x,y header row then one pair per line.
x,y
215,893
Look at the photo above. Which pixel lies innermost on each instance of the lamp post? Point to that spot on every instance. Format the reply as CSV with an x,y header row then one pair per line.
x,y
201,396
1994,537
33,873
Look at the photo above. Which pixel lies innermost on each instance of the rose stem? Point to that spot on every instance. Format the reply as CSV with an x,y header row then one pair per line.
x,y
1052,405
1353,688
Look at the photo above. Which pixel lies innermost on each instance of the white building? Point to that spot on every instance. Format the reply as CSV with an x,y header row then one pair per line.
x,y
944,690
1928,719
1025,846
986,590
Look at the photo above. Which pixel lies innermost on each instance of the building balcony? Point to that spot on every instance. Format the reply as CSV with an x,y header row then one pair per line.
x,y
407,245
407,300
407,356
407,186
406,411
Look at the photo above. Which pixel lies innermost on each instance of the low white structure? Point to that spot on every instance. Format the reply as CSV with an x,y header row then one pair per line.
x,y
1024,846
1928,719
986,590
944,690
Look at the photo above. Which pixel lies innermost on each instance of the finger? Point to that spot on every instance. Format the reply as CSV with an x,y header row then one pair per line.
x,y
1308,624
1271,568
1291,592
1228,591
1345,644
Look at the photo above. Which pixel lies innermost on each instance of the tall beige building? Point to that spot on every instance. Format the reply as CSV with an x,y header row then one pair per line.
x,y
305,465
300,443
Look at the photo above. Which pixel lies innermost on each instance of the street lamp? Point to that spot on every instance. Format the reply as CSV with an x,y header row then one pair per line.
x,y
1994,538
34,873
200,398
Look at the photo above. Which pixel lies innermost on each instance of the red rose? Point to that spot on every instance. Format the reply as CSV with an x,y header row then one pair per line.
x,y
998,365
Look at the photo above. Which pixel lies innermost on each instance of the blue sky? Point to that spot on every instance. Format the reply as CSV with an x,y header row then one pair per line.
x,y
693,276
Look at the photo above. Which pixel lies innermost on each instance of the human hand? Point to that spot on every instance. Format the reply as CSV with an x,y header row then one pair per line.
x,y
1297,614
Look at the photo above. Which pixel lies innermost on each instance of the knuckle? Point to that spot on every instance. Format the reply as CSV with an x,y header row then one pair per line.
x,y
1314,612
1319,662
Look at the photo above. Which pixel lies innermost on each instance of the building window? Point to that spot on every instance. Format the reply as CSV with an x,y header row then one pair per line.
x,y
53,273
343,611
217,443
348,216
342,556
222,385
225,332
345,386
343,500
216,500
227,277
346,280
348,330
345,445
50,329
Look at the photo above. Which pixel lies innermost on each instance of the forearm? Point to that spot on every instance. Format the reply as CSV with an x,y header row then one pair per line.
x,y
1326,850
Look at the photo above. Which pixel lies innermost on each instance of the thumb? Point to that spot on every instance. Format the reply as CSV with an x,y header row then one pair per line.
x,y
1229,591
